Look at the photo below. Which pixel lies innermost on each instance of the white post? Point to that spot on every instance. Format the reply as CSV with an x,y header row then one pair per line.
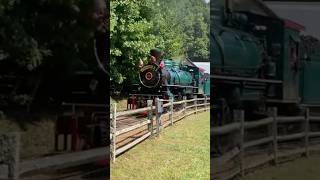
x,y
150,117
158,115
307,131
205,102
275,135
184,105
113,131
195,103
171,110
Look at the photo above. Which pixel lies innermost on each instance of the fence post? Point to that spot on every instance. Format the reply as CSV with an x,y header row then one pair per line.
x,y
171,110
239,116
307,131
150,116
195,103
158,115
275,134
184,105
114,130
205,103
10,156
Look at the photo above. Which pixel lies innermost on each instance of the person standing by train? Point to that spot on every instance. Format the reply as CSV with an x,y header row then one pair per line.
x,y
267,69
155,58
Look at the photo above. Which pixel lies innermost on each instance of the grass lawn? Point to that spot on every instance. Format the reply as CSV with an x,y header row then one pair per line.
x,y
308,169
180,152
121,103
37,139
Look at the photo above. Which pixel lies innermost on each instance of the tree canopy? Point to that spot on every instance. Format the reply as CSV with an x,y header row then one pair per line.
x,y
31,31
51,36
179,27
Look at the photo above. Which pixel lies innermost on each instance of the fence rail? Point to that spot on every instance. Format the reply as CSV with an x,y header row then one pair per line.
x,y
154,121
273,122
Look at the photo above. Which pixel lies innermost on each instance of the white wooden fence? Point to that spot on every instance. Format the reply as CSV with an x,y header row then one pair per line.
x,y
154,121
273,138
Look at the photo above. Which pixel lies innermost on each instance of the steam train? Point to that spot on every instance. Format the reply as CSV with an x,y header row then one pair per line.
x,y
260,60
175,80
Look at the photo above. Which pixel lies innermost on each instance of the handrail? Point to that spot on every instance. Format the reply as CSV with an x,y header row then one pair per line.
x,y
254,124
289,119
135,111
221,130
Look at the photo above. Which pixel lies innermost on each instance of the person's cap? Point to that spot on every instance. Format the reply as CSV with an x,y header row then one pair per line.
x,y
156,52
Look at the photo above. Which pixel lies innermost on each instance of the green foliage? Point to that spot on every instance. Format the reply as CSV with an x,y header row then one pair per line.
x,y
130,34
33,32
22,99
180,28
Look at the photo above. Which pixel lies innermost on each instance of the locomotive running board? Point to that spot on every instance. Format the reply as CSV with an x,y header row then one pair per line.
x,y
310,105
234,78
181,86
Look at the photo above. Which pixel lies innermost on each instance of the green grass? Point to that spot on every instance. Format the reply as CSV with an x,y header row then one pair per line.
x,y
121,103
303,168
180,152
37,139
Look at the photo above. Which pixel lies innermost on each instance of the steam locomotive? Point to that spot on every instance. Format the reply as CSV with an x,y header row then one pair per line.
x,y
175,80
260,60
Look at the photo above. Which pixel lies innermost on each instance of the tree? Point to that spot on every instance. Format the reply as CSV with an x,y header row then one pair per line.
x,y
130,36
180,28
50,37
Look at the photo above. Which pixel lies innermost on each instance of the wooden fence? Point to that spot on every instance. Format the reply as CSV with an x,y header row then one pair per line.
x,y
154,121
273,139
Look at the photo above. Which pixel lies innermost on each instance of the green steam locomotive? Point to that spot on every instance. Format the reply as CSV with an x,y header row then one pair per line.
x,y
173,80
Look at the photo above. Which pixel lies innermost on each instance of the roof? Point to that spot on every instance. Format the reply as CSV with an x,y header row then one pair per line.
x,y
293,25
254,6
305,13
189,62
203,66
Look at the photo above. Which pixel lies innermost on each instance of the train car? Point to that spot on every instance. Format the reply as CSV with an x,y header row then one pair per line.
x,y
180,79
309,76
